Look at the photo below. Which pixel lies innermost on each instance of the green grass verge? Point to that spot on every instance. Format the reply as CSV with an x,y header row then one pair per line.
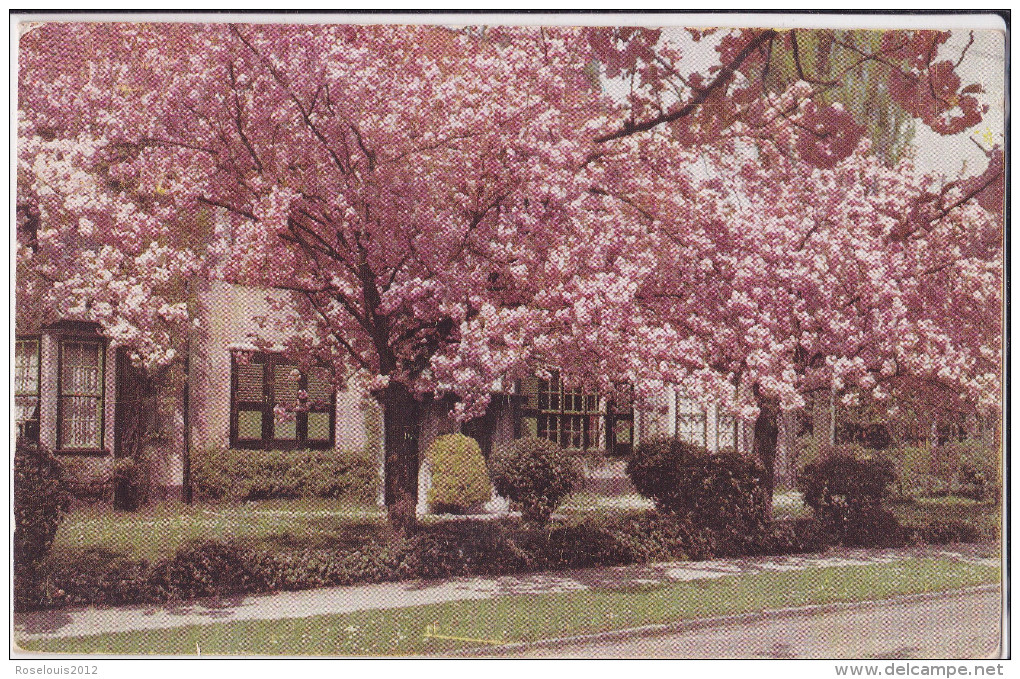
x,y
527,618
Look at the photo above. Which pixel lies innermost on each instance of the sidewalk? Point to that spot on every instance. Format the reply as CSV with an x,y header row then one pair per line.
x,y
307,603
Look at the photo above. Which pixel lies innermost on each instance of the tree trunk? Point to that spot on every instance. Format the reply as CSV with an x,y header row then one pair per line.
x,y
766,437
402,418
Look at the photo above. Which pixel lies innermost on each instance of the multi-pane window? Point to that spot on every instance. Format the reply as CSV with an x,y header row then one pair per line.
x,y
561,414
726,432
277,405
26,388
80,402
691,421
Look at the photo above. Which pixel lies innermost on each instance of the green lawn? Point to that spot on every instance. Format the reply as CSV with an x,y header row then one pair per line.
x,y
986,517
410,631
158,531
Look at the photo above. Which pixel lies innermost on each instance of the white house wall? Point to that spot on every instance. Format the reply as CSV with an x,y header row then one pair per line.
x,y
227,319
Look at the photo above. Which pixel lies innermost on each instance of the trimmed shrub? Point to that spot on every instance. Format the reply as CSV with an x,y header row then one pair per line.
x,y
459,477
535,475
39,505
723,492
945,531
973,468
798,536
611,541
310,568
466,548
241,475
846,494
96,577
210,568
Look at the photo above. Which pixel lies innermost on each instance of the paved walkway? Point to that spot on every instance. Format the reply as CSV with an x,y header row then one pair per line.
x,y
87,621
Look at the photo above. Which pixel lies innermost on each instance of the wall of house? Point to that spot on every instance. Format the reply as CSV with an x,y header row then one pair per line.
x,y
227,317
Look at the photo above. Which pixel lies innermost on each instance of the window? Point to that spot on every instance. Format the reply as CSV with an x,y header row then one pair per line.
x,y
574,419
691,421
566,416
276,405
80,395
26,388
726,432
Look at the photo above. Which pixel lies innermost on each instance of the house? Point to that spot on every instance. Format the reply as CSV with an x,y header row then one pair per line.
x,y
76,394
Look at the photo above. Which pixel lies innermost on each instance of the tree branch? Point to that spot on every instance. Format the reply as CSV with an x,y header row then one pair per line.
x,y
699,97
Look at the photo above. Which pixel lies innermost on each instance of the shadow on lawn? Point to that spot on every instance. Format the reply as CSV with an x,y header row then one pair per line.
x,y
326,533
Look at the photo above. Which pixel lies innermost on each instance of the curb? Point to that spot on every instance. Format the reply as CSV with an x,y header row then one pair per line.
x,y
718,621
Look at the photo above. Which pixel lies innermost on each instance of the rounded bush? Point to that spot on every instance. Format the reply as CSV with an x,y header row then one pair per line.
x,y
723,492
459,477
846,494
39,504
534,474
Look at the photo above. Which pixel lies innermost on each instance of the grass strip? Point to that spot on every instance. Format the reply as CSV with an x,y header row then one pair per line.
x,y
438,628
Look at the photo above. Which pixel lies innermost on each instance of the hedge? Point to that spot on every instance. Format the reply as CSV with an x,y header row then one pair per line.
x,y
241,475
39,505
451,548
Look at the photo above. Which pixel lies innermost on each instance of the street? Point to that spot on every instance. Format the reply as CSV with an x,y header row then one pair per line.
x,y
959,626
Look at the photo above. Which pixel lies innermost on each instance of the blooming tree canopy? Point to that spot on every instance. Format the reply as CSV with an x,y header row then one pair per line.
x,y
455,207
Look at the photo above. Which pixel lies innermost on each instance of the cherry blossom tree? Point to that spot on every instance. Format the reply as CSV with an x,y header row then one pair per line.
x,y
775,278
455,207
396,179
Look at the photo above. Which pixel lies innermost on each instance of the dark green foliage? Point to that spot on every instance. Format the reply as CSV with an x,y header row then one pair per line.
x,y
129,477
942,532
536,475
797,536
972,469
466,547
39,504
965,468
240,475
846,494
722,492
96,577
611,541
209,569
310,568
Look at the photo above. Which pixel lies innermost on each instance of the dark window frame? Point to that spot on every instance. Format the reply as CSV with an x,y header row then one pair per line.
x,y
63,338
603,412
38,388
267,404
